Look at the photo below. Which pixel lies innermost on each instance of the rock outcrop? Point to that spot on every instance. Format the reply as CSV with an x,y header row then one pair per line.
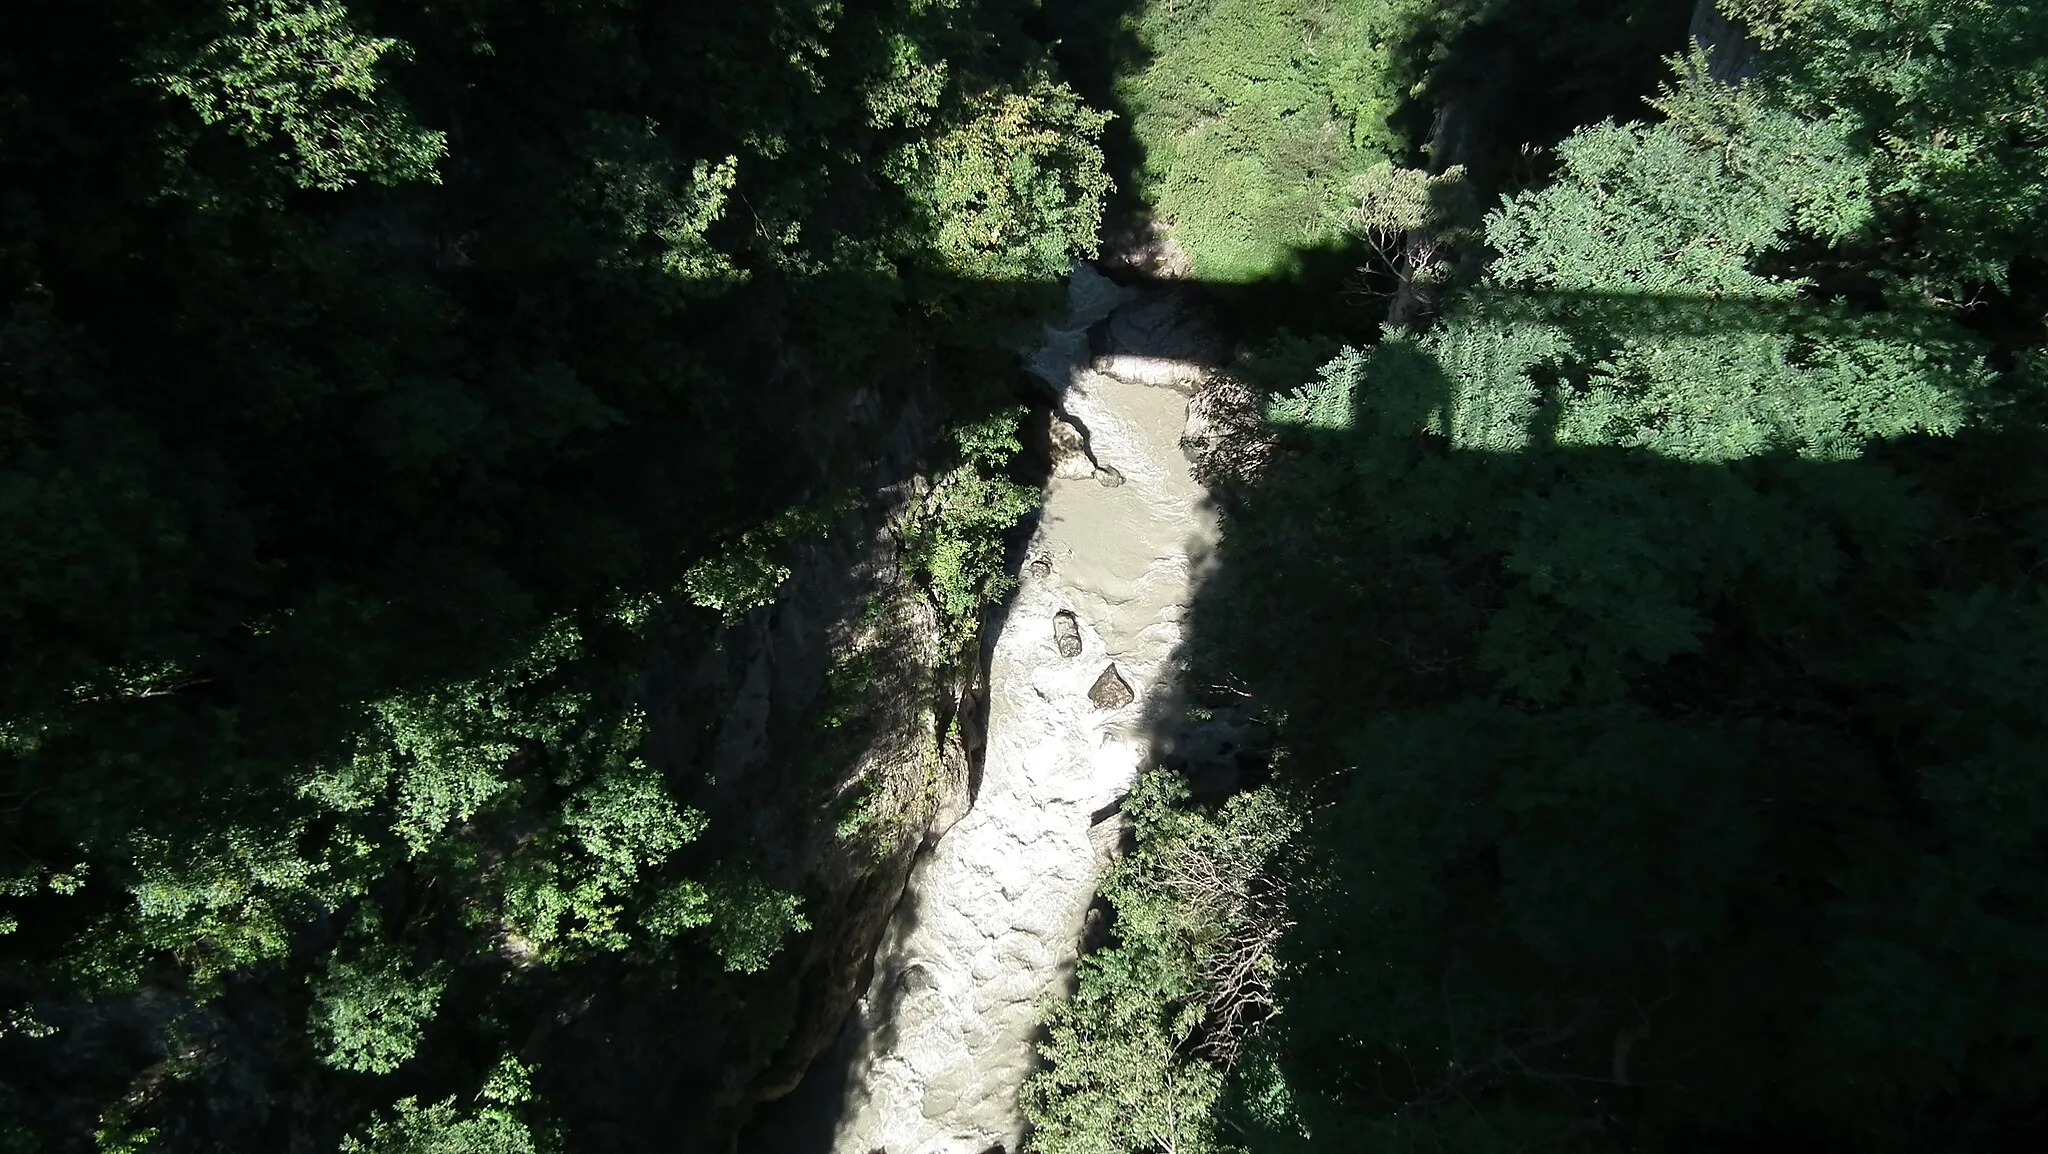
x,y
1731,53
745,711
1110,690
1069,450
1066,632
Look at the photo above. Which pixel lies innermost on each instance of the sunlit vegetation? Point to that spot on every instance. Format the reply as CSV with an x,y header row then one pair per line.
x,y
1254,115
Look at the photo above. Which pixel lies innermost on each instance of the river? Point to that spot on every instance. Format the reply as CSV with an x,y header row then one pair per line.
x,y
990,925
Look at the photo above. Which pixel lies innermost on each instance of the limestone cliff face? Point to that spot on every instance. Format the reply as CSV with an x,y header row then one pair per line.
x,y
828,737
850,701
1731,54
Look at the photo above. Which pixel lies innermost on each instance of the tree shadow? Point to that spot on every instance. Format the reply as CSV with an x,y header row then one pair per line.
x,y
1616,760
1523,75
1097,47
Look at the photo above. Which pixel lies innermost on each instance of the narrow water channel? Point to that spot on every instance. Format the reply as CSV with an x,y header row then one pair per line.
x,y
991,923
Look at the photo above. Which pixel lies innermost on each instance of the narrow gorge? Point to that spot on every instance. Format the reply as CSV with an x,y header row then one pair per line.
x,y
1082,662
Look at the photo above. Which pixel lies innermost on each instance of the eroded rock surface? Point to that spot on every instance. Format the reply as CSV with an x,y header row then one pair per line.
x,y
1070,460
1110,690
1225,437
1162,339
1066,633
993,917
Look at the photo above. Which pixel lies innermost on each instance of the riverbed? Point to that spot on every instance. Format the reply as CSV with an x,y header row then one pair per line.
x,y
991,923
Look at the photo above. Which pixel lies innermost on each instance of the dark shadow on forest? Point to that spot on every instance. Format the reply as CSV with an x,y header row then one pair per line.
x,y
1096,46
1532,71
1362,584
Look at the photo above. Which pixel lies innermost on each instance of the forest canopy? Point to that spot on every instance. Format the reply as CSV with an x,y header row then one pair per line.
x,y
411,415
373,379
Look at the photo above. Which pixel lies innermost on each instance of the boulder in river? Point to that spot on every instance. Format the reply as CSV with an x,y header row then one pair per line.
x,y
1041,568
1110,476
1069,451
1110,690
1165,332
1066,633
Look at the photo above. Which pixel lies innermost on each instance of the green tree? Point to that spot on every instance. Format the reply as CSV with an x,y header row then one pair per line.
x,y
1254,116
956,540
1137,1058
1015,191
496,1127
303,78
368,1012
1948,94
1612,857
